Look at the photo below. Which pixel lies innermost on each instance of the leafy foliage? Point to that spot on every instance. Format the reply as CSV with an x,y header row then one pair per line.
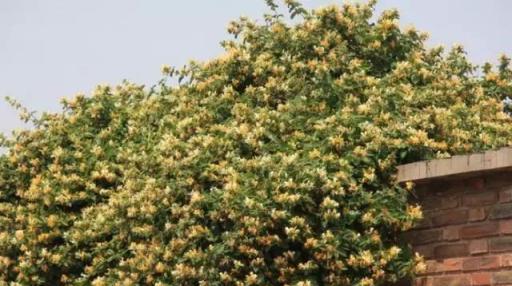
x,y
271,165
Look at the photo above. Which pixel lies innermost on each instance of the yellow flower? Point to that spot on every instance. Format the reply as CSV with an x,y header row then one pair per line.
x,y
292,232
409,185
159,267
369,175
366,282
418,137
165,69
420,266
367,258
99,281
394,251
251,279
367,218
52,220
388,24
329,203
414,212
19,234
491,76
315,153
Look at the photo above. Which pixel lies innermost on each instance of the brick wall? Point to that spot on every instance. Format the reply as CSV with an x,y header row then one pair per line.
x,y
466,235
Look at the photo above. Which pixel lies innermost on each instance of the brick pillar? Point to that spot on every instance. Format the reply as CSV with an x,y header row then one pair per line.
x,y
466,234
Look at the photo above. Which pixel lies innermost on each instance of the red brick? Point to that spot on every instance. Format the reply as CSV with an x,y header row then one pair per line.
x,y
426,251
503,277
450,265
501,211
432,267
422,281
489,262
480,279
451,250
424,223
423,236
449,202
481,262
451,233
442,202
444,265
478,246
429,204
455,186
498,180
506,226
450,217
403,282
477,214
479,199
505,196
500,244
452,280
506,260
476,184
471,264
480,230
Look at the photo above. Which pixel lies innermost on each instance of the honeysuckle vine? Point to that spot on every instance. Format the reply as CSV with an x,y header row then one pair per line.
x,y
273,164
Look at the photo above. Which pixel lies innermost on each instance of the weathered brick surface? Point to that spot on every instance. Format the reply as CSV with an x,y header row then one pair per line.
x,y
506,260
423,281
500,244
479,246
506,226
495,180
426,251
450,202
444,266
480,198
471,264
450,217
505,196
503,277
447,203
481,278
424,236
476,184
451,233
466,235
453,280
478,214
450,265
501,211
480,263
480,230
425,222
451,250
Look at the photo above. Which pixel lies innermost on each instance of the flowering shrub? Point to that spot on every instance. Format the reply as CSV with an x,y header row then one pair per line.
x,y
271,165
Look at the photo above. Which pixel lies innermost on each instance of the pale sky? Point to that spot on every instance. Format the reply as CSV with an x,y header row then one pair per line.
x,y
51,49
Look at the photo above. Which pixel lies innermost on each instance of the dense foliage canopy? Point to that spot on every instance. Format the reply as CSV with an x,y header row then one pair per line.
x,y
271,165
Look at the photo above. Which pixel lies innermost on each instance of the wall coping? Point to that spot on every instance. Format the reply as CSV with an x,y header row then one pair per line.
x,y
459,164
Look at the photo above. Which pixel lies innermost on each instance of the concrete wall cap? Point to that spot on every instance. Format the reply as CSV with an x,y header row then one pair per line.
x,y
459,164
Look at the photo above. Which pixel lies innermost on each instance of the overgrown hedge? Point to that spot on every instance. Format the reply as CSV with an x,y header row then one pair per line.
x,y
271,165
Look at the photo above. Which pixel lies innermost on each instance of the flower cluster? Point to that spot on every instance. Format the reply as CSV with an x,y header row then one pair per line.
x,y
271,165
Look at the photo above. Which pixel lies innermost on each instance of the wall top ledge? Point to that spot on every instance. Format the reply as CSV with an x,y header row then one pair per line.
x,y
459,164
